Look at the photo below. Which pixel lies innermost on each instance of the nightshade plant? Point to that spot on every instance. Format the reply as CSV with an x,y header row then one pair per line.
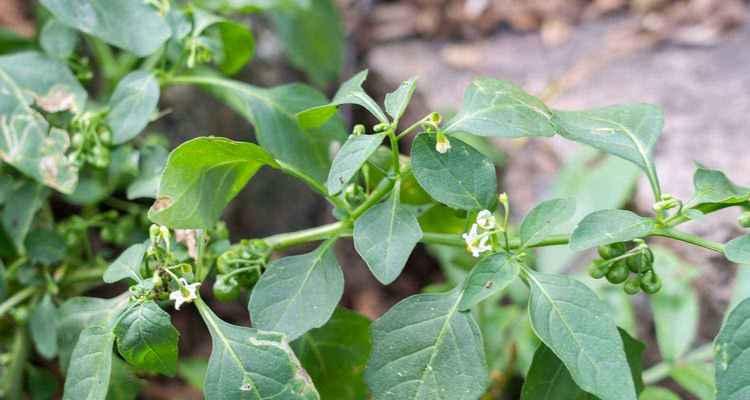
x,y
301,345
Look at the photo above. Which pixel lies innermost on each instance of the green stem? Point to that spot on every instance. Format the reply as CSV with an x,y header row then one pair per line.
x,y
382,190
412,127
662,370
285,240
688,238
16,299
11,382
394,151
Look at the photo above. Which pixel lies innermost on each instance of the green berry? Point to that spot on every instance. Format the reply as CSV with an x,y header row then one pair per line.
x,y
744,219
650,282
226,289
613,250
618,273
632,285
641,261
598,269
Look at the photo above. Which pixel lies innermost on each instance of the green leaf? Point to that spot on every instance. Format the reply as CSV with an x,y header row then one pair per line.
x,y
597,182
350,92
732,347
397,101
713,189
45,246
147,339
626,131
127,265
609,226
78,313
123,384
90,365
385,235
740,288
544,219
335,355
192,370
237,44
697,379
675,308
42,383
423,348
28,197
738,250
314,38
570,320
298,293
491,275
249,363
58,40
201,177
304,152
350,158
132,104
43,327
151,163
131,25
461,178
548,378
657,393
497,108
28,143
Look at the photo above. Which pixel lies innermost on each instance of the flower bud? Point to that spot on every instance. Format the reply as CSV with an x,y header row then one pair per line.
x,y
381,127
442,144
435,118
358,130
744,219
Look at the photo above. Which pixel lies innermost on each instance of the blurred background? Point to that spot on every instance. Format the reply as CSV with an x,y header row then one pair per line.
x,y
691,57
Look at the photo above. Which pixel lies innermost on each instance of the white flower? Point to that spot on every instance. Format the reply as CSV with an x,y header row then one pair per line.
x,y
185,294
486,220
477,243
442,144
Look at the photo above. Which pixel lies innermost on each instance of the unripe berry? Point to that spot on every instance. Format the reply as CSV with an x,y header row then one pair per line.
x,y
632,285
618,273
613,250
744,219
598,269
226,289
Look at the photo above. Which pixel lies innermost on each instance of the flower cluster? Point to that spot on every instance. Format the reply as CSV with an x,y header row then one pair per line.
x,y
478,238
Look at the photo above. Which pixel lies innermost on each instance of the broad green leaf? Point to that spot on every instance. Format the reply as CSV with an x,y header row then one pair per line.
x,y
424,348
90,365
78,313
131,25
249,363
314,38
657,393
127,264
544,219
350,92
132,105
43,327
609,226
732,347
461,178
714,190
350,158
192,370
548,379
675,308
385,235
57,39
597,182
397,101
626,131
237,44
738,250
335,355
497,108
201,177
147,339
570,320
491,275
151,163
251,6
304,152
741,287
45,246
298,293
17,215
696,378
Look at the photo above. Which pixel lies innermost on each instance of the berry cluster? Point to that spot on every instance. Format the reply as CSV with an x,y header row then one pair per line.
x,y
239,267
628,262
